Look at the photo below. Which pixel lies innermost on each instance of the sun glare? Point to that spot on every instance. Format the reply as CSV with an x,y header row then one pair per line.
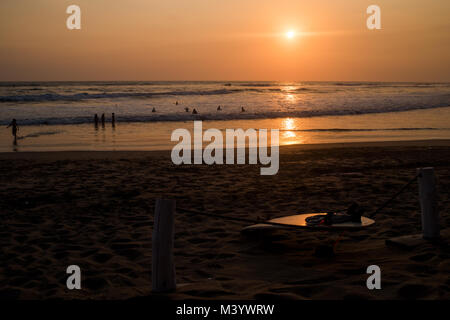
x,y
290,34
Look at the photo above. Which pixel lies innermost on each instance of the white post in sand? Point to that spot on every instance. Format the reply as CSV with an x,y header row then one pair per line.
x,y
163,268
428,203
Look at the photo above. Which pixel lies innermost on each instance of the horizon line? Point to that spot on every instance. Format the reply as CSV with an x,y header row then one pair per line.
x,y
230,81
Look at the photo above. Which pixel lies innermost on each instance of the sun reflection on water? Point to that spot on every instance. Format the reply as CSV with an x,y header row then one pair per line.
x,y
289,124
288,93
289,133
290,97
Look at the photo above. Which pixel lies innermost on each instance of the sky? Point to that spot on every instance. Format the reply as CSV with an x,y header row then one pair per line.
x,y
225,40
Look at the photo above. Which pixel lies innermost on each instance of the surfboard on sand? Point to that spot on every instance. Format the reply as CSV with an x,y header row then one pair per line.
x,y
299,221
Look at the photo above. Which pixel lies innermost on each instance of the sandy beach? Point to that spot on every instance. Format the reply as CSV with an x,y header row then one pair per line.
x,y
95,210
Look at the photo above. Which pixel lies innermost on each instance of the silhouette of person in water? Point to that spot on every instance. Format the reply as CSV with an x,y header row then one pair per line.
x,y
15,128
194,111
113,119
219,108
103,119
176,103
242,109
96,120
186,109
153,110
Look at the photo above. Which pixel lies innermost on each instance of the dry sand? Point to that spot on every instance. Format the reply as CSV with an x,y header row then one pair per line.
x,y
95,209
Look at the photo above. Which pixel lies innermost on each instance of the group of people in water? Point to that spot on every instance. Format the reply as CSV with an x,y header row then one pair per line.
x,y
194,111
219,108
102,119
113,118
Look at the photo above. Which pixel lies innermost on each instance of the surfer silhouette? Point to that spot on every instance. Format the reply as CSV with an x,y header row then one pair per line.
x,y
96,120
15,128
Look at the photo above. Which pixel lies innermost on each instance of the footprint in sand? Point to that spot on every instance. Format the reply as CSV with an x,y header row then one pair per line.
x,y
422,257
101,257
413,291
95,283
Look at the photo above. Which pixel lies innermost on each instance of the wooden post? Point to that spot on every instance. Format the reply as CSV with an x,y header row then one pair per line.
x,y
428,203
163,268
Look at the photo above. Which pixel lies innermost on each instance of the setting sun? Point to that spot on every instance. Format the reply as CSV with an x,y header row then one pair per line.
x,y
290,34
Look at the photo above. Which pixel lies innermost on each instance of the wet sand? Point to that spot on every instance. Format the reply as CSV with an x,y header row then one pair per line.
x,y
95,210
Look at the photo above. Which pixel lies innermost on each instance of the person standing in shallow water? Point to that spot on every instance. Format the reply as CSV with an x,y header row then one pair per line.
x,y
96,120
103,119
15,128
113,119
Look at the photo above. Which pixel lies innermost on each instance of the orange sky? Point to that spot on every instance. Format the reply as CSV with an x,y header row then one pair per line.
x,y
225,40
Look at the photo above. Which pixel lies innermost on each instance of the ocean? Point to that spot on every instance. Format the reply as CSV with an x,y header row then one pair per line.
x,y
59,115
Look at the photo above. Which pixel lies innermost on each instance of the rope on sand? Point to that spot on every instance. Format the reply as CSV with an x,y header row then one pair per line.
x,y
395,195
384,205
